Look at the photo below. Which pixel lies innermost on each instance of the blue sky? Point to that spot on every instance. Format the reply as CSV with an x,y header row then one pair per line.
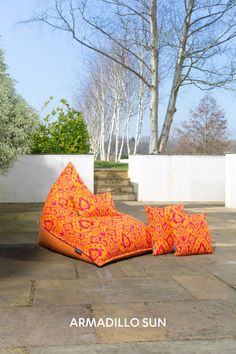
x,y
47,63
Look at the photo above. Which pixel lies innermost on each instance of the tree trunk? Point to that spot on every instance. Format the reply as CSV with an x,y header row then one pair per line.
x,y
154,77
171,108
139,117
95,150
110,137
102,134
122,140
127,134
117,129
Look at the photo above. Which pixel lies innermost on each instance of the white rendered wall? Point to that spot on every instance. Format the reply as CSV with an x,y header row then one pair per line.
x,y
230,179
178,178
32,176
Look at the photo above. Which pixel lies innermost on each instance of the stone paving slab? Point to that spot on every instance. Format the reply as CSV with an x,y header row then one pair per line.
x,y
15,351
85,271
47,326
205,319
225,237
194,262
206,287
184,347
144,265
43,254
162,266
224,270
17,227
226,252
32,253
17,207
127,334
29,237
15,292
227,234
21,252
37,270
115,290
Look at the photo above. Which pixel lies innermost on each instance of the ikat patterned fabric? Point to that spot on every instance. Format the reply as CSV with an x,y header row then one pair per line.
x,y
94,204
101,238
191,235
160,227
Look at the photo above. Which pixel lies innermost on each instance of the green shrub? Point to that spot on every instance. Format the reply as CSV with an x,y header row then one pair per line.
x,y
67,134
18,120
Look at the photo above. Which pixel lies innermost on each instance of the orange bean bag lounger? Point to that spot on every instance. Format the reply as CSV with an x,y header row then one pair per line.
x,y
82,225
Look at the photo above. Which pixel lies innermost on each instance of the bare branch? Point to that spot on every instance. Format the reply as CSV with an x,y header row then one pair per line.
x,y
123,4
113,39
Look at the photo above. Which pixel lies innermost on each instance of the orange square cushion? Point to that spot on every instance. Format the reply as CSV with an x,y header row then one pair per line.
x,y
94,204
160,227
192,235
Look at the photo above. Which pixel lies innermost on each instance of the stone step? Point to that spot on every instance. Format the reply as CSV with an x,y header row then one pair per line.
x,y
124,196
110,174
111,182
114,181
118,188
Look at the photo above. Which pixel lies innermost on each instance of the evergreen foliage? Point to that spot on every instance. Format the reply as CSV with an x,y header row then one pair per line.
x,y
18,121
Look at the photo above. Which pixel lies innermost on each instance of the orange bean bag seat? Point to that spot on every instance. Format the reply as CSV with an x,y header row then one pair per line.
x,y
95,239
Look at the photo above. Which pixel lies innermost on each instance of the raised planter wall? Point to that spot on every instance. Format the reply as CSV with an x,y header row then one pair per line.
x,y
155,178
32,176
178,178
230,178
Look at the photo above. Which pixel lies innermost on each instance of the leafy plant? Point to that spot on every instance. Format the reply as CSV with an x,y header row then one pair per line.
x,y
63,131
18,121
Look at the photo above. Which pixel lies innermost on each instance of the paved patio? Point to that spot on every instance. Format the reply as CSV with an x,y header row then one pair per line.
x,y
41,291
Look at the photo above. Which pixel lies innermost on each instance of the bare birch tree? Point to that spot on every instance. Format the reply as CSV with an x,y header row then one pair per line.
x,y
95,104
109,101
88,106
129,92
